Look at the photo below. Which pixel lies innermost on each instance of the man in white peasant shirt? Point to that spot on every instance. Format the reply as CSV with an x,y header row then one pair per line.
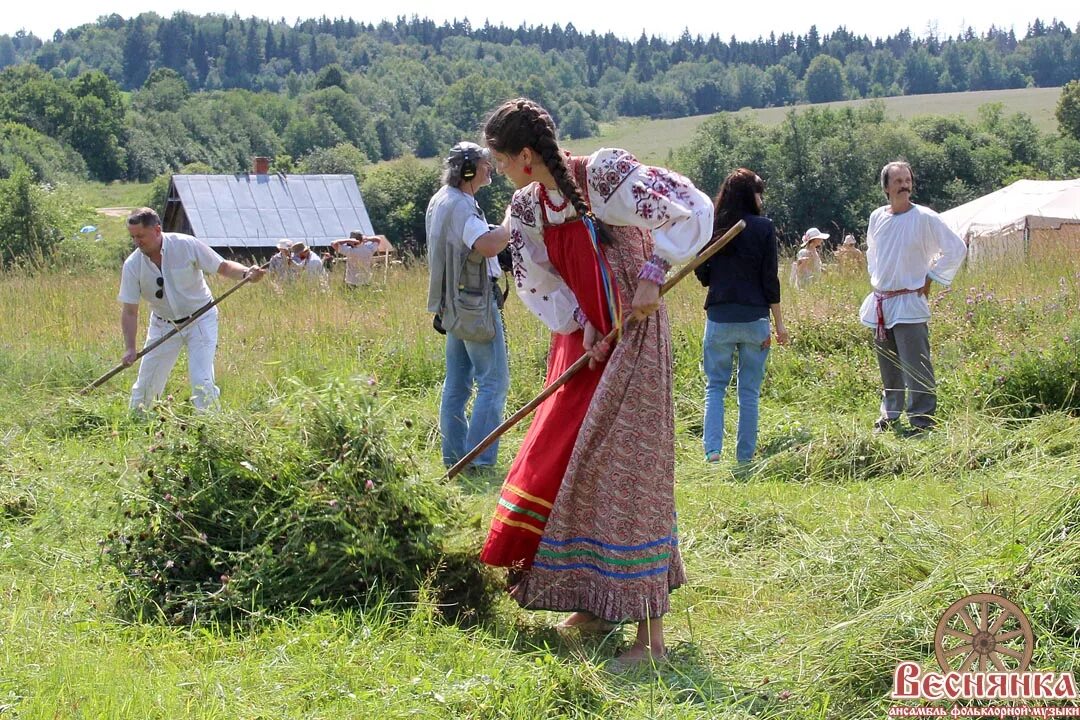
x,y
908,247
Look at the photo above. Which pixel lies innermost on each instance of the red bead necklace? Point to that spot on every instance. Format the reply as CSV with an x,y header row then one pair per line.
x,y
547,200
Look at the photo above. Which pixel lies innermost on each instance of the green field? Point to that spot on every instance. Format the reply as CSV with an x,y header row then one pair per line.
x,y
811,575
652,140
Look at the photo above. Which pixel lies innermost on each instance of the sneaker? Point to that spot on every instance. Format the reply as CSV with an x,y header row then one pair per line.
x,y
883,425
918,431
713,457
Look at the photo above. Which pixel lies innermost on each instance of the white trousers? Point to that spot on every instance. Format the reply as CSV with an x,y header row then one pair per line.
x,y
200,339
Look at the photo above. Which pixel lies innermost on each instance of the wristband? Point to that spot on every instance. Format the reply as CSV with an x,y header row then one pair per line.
x,y
655,270
579,317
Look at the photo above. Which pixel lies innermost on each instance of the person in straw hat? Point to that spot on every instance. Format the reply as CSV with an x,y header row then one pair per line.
x,y
812,240
281,263
308,263
849,256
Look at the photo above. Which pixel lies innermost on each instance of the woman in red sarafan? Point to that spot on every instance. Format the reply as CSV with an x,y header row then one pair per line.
x,y
586,517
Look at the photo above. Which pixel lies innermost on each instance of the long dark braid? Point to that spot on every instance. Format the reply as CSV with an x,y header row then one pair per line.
x,y
522,123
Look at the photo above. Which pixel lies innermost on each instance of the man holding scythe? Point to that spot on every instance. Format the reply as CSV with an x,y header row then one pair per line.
x,y
166,269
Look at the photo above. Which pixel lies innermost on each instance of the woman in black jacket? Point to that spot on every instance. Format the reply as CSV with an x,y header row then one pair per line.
x,y
743,288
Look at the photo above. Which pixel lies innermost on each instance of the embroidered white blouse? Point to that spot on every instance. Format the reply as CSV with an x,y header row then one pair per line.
x,y
621,191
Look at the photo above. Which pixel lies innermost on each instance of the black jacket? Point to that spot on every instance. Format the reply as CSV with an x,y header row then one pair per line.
x,y
744,272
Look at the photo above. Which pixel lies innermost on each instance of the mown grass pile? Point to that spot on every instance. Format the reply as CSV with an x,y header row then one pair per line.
x,y
303,506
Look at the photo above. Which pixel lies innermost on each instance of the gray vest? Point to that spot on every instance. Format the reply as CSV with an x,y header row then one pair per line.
x,y
459,287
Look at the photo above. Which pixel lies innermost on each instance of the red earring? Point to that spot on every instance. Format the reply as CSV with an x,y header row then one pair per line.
x,y
528,169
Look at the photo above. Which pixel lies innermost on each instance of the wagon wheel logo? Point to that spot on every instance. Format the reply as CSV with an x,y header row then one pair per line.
x,y
983,633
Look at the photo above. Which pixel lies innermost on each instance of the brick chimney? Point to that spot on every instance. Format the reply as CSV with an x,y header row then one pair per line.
x,y
262,165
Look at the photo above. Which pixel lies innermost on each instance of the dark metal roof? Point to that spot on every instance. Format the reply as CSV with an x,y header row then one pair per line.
x,y
236,211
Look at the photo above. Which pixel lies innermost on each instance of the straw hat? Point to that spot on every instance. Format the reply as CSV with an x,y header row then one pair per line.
x,y
812,234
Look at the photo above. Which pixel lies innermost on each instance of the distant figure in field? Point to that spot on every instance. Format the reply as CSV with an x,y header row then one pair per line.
x,y
308,264
327,258
744,287
166,270
851,259
281,263
812,240
802,270
359,254
807,266
907,246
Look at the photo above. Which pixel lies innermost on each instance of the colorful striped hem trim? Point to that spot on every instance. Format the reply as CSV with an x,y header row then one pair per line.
x,y
526,496
522,511
601,571
602,558
669,540
515,523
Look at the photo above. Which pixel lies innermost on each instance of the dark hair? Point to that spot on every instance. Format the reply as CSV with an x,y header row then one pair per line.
x,y
735,199
144,216
521,123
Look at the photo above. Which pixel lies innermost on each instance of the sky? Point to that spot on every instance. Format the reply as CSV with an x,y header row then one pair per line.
x,y
625,18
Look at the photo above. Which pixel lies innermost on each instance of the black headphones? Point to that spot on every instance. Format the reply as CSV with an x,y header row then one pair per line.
x,y
468,155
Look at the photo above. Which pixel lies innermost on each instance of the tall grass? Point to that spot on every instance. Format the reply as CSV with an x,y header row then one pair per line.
x,y
812,573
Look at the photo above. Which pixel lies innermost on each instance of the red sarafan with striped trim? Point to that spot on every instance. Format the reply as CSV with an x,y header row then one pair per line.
x,y
588,508
529,492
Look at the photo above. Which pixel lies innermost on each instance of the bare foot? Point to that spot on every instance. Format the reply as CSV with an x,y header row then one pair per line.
x,y
586,622
638,654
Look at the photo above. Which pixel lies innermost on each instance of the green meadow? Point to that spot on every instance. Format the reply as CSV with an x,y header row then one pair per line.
x,y
811,574
652,140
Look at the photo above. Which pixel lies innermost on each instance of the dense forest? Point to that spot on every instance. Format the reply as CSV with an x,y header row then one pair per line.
x,y
217,89
140,98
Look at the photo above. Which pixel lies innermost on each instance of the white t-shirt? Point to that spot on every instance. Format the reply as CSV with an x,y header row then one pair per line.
x,y
474,228
358,262
184,259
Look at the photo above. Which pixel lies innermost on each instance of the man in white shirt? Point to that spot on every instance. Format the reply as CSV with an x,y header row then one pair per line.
x,y
907,247
462,245
359,253
309,264
166,270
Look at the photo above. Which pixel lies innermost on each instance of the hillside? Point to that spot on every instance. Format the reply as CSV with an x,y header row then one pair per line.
x,y
653,140
134,98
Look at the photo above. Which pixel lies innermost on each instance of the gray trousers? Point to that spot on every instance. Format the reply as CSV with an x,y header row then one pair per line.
x,y
904,361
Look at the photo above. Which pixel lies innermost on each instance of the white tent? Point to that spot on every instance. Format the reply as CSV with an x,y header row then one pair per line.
x,y
1025,218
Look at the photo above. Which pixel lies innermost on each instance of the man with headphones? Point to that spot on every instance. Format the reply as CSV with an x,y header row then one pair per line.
x,y
463,261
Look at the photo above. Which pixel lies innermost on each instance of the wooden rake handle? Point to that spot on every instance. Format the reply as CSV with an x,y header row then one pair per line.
x,y
582,361
176,328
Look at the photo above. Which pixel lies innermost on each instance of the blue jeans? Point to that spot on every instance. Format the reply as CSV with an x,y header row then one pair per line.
x,y
723,341
483,364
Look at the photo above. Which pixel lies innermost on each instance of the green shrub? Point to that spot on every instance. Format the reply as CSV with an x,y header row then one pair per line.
x,y
306,507
1039,381
29,219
